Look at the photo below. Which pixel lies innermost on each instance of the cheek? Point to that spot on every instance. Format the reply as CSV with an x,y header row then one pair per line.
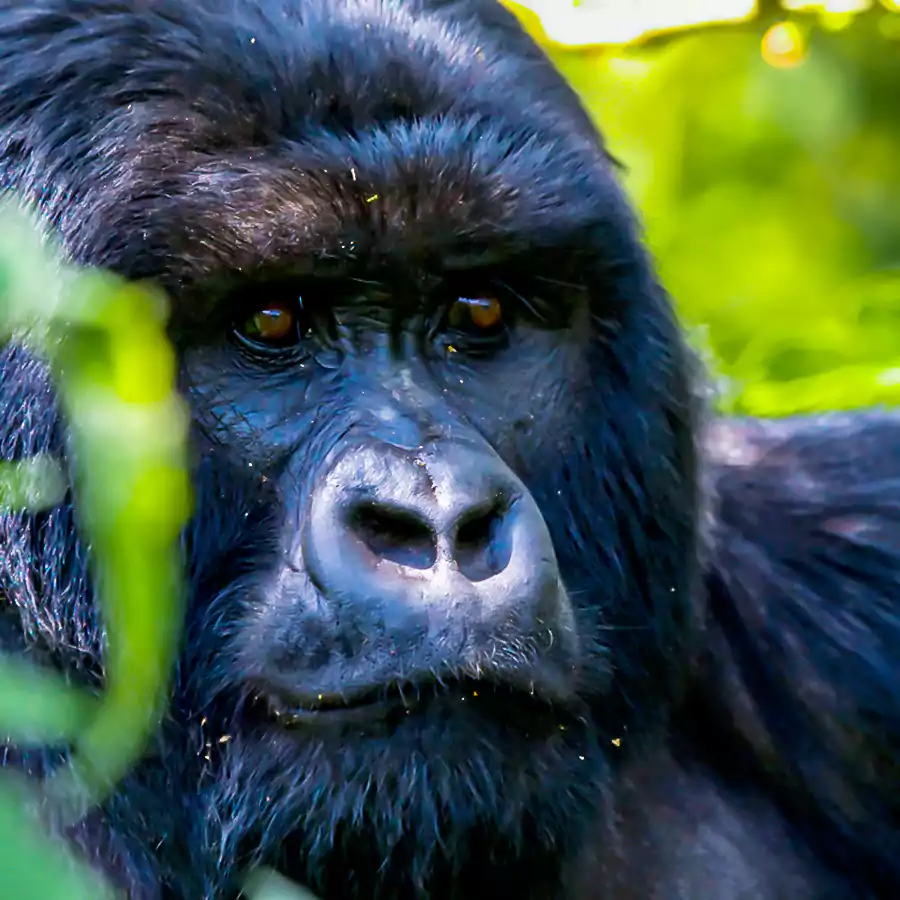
x,y
527,398
259,416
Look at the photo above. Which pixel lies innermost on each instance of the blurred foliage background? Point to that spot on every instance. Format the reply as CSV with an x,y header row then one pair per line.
x,y
762,152
764,156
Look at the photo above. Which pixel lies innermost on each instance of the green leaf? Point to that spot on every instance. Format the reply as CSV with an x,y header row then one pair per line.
x,y
36,483
34,866
37,706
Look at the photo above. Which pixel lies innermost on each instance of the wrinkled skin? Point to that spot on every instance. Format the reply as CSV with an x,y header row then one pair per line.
x,y
471,612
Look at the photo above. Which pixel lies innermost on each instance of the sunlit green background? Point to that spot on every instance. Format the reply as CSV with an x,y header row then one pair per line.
x,y
765,159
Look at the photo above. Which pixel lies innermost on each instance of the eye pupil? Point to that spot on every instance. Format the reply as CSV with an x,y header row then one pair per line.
x,y
482,312
270,324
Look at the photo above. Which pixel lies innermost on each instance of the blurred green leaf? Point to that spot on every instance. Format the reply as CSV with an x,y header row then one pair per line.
x,y
106,347
38,706
266,884
36,483
34,865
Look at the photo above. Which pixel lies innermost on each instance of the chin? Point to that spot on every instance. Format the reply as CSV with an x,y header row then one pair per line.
x,y
403,779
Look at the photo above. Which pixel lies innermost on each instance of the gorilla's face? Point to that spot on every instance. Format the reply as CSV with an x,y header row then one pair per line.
x,y
414,572
409,628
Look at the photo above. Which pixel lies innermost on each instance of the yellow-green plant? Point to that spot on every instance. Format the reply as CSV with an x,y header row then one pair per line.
x,y
105,345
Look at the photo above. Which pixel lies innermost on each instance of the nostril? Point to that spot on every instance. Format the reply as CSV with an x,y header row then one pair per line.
x,y
394,534
483,547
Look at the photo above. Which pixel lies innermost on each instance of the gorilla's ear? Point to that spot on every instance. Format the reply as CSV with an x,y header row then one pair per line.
x,y
805,620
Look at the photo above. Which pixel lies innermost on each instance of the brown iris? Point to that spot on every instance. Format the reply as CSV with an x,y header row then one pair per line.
x,y
274,324
482,313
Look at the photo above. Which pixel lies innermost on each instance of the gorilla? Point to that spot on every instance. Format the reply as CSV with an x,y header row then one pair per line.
x,y
482,602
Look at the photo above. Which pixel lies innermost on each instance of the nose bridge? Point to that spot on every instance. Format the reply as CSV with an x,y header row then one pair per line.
x,y
404,410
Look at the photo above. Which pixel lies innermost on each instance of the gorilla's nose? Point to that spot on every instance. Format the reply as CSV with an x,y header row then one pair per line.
x,y
443,539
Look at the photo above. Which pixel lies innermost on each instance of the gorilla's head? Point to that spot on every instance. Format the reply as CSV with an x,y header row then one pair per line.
x,y
446,492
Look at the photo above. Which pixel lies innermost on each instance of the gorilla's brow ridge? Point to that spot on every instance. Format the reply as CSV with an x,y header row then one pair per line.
x,y
335,204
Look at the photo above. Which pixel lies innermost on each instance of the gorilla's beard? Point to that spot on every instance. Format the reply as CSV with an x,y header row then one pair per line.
x,y
442,802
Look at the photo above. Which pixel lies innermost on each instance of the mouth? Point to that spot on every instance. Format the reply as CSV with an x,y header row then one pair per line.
x,y
512,705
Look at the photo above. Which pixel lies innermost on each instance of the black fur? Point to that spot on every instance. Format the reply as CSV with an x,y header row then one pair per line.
x,y
732,724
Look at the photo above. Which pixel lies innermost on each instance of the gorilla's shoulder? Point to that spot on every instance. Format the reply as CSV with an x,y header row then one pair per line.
x,y
803,576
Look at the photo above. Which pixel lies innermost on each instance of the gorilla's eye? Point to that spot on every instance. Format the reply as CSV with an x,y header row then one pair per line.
x,y
273,325
484,314
270,325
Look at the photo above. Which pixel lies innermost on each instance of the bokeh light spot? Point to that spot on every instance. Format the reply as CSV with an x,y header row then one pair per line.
x,y
783,46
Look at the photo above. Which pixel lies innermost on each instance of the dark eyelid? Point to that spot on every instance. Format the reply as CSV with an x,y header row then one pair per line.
x,y
547,300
